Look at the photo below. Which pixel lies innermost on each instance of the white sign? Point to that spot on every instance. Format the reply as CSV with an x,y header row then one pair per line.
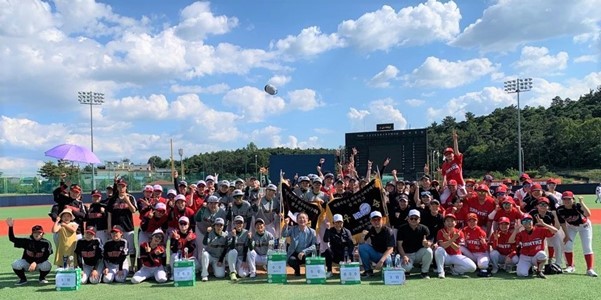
x,y
315,271
276,267
65,280
350,274
184,274
394,277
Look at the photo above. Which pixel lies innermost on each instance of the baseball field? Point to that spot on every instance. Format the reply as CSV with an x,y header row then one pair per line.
x,y
566,286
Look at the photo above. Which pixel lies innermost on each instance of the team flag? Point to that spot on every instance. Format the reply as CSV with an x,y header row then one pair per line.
x,y
294,205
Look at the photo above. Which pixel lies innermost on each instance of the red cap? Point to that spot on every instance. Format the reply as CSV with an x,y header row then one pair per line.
x,y
552,181
448,150
482,187
543,200
76,188
453,182
526,217
117,228
91,229
501,189
37,228
472,216
503,220
536,186
122,182
524,176
450,216
528,181
508,200
469,180
507,181
567,194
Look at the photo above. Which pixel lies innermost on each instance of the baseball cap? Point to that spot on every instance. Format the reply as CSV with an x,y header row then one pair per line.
x,y
160,206
239,180
452,182
488,177
213,199
180,197
337,218
435,182
536,187
96,193
434,202
158,231
508,200
482,187
375,214
259,220
219,221
339,181
450,216
239,219
403,197
425,193
472,216
210,177
91,229
552,181
157,187
317,179
507,181
224,182
232,184
148,188
469,180
272,187
109,187
448,150
425,176
329,175
503,220
524,176
117,228
303,178
390,183
567,194
201,182
183,219
414,212
122,182
171,192
75,188
501,189
183,183
526,217
237,193
37,228
543,200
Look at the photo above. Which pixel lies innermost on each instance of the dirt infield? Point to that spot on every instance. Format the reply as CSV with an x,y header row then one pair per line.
x,y
23,226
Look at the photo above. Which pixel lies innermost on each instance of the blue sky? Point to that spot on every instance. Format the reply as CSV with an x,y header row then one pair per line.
x,y
194,71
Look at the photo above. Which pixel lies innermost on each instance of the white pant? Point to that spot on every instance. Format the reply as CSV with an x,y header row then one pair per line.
x,y
557,243
198,241
112,274
158,272
218,271
131,244
480,258
21,264
526,262
423,257
260,260
323,246
250,261
461,264
586,237
496,258
87,270
172,260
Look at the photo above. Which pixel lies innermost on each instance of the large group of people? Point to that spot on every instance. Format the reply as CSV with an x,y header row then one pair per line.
x,y
457,226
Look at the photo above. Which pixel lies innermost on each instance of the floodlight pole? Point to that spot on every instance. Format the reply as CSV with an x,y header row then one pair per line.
x,y
517,86
91,98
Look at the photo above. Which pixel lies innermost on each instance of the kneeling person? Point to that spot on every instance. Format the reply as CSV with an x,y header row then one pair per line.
x,y
413,244
89,256
153,258
215,244
532,241
261,240
115,250
243,252
36,250
450,240
183,243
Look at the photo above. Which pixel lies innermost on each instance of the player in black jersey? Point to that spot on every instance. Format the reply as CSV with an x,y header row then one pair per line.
x,y
36,250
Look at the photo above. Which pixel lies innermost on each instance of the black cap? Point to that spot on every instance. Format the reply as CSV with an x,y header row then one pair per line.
x,y
425,176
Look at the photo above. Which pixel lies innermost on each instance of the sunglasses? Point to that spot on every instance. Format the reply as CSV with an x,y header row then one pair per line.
x,y
526,221
543,204
469,185
500,194
481,192
183,223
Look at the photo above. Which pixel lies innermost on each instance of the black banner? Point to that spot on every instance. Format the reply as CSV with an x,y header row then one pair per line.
x,y
356,208
293,205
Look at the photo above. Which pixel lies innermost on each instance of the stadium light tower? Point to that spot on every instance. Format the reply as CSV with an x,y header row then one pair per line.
x,y
91,99
518,86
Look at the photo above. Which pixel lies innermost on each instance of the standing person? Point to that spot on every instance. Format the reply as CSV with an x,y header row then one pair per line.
x,y
551,190
204,218
183,243
476,246
398,210
71,200
121,208
36,251
341,243
242,250
179,210
598,192
89,256
215,248
482,205
426,186
261,240
414,245
452,167
502,250
240,207
303,187
536,192
574,219
109,193
432,218
531,239
382,244
450,240
115,257
554,243
522,192
302,241
153,220
96,217
268,209
153,258
146,203
66,230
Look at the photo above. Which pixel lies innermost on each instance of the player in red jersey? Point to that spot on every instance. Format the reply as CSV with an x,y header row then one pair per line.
x,y
449,252
502,251
482,205
531,239
452,168
476,246
508,209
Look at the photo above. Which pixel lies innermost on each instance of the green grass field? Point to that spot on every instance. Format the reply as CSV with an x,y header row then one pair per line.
x,y
503,285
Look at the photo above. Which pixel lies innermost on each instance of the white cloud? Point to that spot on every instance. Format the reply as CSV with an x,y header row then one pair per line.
x,y
510,23
544,91
155,107
29,134
586,58
24,18
441,73
383,78
254,105
279,80
197,21
303,100
415,102
378,111
271,136
323,130
91,18
308,43
537,60
384,28
214,89
12,166
481,102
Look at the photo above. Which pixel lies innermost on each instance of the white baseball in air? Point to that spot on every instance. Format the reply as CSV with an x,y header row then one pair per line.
x,y
270,89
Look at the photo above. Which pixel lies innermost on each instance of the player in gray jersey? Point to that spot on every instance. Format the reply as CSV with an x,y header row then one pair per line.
x,y
223,193
240,207
216,244
268,209
303,187
242,252
261,240
205,217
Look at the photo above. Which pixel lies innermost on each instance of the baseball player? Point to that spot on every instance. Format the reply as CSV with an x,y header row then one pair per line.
x,y
243,252
452,167
153,220
225,199
598,192
183,243
268,209
36,250
240,207
89,256
115,254
450,240
507,209
96,217
157,194
204,218
146,202
531,239
502,250
303,187
179,210
121,208
476,246
153,258
261,240
555,246
574,219
216,244
482,205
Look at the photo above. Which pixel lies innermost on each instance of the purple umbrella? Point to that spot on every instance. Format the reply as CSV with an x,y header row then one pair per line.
x,y
73,153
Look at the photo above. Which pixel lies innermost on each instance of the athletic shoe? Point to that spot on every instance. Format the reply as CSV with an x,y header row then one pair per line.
x,y
425,276
252,275
43,281
591,273
367,274
21,282
328,274
570,269
495,270
205,279
233,276
441,275
541,275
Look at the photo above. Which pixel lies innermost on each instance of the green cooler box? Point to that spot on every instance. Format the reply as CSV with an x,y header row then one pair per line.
x,y
350,273
315,270
184,273
68,279
393,276
276,267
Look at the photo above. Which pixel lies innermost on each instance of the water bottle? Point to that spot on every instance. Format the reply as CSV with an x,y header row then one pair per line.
x,y
178,256
186,253
270,245
282,245
389,262
65,262
397,261
71,264
346,258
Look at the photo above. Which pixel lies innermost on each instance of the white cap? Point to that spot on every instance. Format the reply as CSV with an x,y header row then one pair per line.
x,y
184,218
201,182
375,214
171,192
239,218
158,231
160,205
337,218
210,177
219,221
157,187
180,197
414,212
